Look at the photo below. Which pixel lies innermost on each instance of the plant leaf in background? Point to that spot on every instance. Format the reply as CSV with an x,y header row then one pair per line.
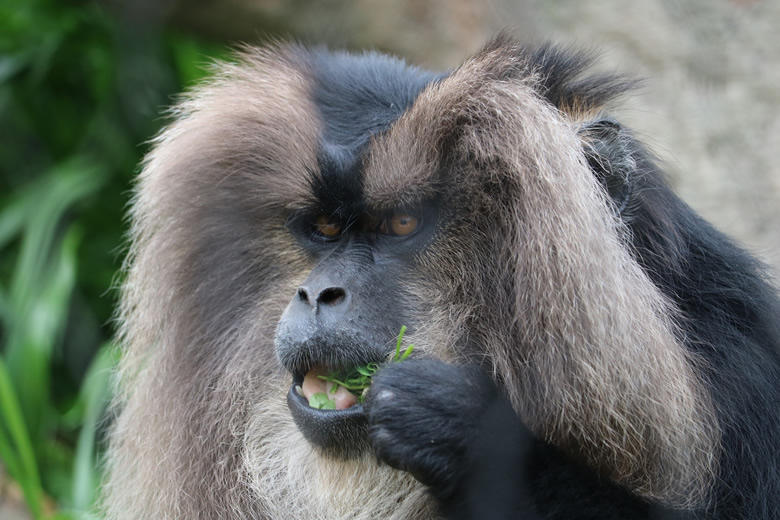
x,y
15,447
34,315
95,393
42,283
80,87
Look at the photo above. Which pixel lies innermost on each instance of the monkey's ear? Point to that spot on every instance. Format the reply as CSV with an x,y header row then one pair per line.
x,y
611,154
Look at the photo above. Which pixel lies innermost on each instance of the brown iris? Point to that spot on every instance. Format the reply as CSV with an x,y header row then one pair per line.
x,y
402,224
327,227
399,224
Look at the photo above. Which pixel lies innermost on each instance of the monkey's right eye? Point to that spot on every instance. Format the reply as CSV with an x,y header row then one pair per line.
x,y
327,228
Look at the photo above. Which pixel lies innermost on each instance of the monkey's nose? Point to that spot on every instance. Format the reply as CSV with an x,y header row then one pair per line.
x,y
326,297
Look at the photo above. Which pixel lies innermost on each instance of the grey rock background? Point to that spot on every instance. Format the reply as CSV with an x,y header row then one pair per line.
x,y
708,108
710,103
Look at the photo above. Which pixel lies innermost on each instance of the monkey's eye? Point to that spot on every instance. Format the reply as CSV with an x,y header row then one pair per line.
x,y
327,227
399,224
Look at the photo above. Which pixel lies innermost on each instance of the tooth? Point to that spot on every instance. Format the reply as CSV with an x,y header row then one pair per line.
x,y
299,390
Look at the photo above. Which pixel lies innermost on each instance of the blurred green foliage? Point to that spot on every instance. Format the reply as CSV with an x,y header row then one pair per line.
x,y
81,88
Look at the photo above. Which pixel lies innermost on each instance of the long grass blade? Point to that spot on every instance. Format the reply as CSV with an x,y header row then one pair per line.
x,y
36,305
23,467
29,361
95,393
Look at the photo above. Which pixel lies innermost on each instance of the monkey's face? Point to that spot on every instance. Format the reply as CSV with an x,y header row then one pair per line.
x,y
349,309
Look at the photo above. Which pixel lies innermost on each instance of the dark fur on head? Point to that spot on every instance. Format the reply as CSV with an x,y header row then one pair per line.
x,y
628,335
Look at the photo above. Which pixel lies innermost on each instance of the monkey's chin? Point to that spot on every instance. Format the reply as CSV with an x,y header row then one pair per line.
x,y
340,433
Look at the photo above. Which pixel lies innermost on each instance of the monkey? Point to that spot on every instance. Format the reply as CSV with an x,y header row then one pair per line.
x,y
585,345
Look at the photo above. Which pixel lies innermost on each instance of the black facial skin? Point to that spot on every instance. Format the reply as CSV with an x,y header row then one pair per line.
x,y
346,313
350,309
337,317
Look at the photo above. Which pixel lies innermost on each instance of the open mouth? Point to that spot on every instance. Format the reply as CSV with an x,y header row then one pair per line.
x,y
326,403
340,429
324,391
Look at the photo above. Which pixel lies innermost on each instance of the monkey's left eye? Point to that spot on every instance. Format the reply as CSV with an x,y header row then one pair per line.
x,y
399,224
327,227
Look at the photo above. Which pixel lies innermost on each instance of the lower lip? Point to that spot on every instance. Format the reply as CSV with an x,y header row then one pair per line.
x,y
340,432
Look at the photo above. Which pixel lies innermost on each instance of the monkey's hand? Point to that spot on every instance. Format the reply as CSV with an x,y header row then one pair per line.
x,y
450,427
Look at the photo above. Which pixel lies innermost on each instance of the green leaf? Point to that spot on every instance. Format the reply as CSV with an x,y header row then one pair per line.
x,y
349,384
11,64
16,449
398,343
37,302
321,402
95,393
365,371
4,309
31,343
14,214
45,203
359,379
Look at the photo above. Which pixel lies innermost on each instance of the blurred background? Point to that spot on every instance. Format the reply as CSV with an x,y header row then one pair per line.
x,y
83,85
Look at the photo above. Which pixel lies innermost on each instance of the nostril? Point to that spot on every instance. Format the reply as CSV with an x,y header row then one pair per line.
x,y
302,295
331,296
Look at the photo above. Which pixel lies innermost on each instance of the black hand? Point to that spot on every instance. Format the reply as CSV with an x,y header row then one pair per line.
x,y
449,427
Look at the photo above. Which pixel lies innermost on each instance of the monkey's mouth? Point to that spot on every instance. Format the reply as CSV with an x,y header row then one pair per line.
x,y
324,394
341,431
